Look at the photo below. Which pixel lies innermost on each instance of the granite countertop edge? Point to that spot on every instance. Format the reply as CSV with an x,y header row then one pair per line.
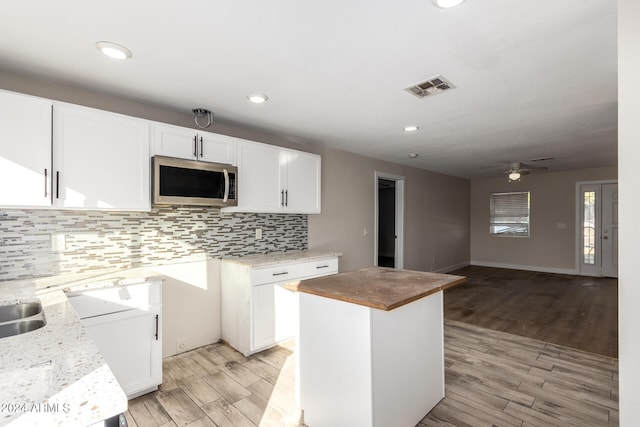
x,y
56,374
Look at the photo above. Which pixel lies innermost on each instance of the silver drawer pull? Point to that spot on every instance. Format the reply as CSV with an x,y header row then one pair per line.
x,y
280,274
322,266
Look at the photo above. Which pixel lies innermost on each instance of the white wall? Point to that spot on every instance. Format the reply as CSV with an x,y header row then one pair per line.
x,y
629,173
553,201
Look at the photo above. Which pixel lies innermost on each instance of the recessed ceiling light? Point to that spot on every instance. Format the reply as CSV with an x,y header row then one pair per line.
x,y
257,98
411,128
413,155
446,4
114,50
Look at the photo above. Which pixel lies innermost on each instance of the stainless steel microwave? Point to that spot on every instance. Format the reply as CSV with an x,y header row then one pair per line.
x,y
190,182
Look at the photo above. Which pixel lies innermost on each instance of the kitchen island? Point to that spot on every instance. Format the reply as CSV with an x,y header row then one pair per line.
x,y
370,347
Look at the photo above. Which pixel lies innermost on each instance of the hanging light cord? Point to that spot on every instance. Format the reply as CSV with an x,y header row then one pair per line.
x,y
201,112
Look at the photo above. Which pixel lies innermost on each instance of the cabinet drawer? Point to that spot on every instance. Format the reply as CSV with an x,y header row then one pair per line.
x,y
319,268
281,273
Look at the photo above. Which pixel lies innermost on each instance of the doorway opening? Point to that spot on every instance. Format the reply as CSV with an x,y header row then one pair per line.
x,y
597,230
389,217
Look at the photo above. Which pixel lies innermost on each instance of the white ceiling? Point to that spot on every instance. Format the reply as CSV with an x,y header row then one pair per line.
x,y
534,78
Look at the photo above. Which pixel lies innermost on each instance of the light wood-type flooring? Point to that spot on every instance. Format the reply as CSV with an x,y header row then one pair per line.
x,y
493,378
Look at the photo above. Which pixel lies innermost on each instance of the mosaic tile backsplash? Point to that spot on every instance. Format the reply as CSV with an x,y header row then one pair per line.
x,y
39,243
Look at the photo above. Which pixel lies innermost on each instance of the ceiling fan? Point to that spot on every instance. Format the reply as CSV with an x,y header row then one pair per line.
x,y
515,170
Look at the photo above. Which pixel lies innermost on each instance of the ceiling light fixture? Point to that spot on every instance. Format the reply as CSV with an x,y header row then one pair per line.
x,y
411,128
114,50
199,113
514,176
447,4
413,155
258,98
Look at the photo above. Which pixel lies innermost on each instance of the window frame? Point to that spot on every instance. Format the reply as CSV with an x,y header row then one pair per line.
x,y
517,211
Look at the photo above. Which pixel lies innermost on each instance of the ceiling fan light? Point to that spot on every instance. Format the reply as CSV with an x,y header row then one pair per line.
x,y
446,4
514,176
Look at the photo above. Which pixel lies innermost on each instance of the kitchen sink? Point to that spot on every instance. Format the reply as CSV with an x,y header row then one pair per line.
x,y
19,311
21,327
16,319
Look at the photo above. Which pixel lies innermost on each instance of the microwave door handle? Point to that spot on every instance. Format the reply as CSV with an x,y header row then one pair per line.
x,y
226,185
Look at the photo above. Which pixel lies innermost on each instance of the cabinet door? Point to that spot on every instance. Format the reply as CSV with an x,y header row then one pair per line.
x,y
174,141
25,150
263,318
101,160
302,182
216,148
275,315
259,183
128,343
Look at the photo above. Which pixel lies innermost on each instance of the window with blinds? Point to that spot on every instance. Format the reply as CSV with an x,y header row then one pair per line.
x,y
509,214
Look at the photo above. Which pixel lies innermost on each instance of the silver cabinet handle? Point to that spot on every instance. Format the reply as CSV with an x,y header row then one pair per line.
x,y
57,184
201,148
195,146
226,186
45,182
322,266
282,198
156,327
286,197
280,274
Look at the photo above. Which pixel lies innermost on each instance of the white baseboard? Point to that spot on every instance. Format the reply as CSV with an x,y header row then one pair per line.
x,y
571,271
452,267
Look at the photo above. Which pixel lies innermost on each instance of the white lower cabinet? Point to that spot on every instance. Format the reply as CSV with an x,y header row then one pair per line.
x,y
125,322
257,311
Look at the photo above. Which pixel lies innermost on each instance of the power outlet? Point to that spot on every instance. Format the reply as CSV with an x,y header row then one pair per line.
x,y
258,233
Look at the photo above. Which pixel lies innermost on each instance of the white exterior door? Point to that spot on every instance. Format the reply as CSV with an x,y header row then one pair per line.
x,y
610,230
598,229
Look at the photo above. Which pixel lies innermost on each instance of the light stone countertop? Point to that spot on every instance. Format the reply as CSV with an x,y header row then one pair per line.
x,y
56,375
276,258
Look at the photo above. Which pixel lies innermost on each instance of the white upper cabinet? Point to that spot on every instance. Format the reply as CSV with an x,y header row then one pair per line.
x,y
301,181
25,150
185,143
101,160
277,180
258,177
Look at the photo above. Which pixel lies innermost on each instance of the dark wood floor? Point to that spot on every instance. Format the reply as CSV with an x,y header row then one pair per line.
x,y
574,311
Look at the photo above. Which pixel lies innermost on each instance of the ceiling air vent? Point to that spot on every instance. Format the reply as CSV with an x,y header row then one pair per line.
x,y
433,86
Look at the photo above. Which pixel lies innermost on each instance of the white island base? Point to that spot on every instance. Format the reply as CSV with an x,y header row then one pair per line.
x,y
361,366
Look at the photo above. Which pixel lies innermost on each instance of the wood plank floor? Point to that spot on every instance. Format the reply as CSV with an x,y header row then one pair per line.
x,y
575,311
492,379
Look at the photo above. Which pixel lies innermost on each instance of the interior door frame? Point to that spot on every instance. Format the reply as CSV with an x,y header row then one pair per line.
x,y
578,237
399,246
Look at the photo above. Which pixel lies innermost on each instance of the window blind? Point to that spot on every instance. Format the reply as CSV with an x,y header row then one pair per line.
x,y
509,214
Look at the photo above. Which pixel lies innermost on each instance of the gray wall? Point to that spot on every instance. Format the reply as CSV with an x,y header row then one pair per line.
x,y
436,215
553,201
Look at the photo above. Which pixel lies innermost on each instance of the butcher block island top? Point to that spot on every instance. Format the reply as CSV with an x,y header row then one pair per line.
x,y
378,287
